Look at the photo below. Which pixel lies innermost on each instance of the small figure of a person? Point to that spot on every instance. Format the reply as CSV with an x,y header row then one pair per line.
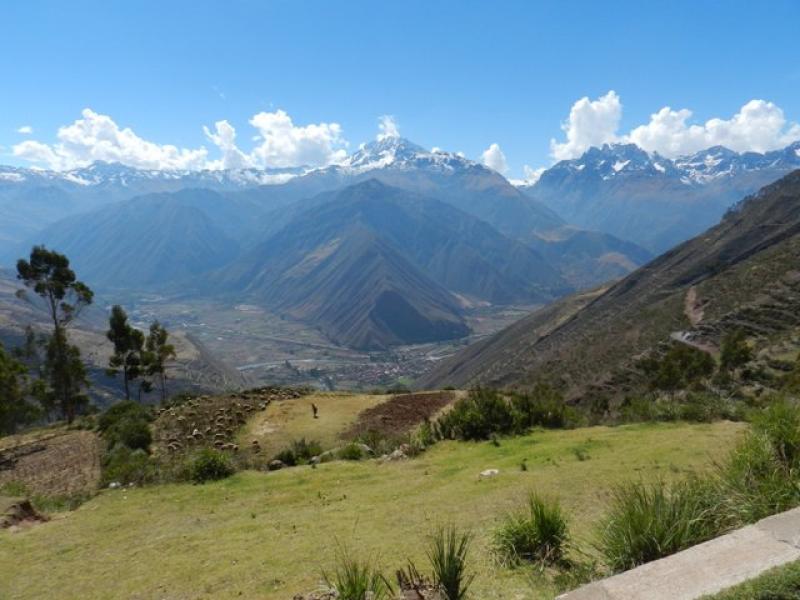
x,y
315,410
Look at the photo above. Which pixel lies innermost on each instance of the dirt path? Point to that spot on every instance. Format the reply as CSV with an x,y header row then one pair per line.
x,y
693,307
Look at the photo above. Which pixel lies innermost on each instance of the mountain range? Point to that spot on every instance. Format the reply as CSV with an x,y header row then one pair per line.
x,y
393,231
651,200
740,274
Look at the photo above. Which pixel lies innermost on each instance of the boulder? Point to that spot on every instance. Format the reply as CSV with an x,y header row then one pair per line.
x,y
276,465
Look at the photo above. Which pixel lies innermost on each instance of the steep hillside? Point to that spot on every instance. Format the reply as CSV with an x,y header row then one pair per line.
x,y
742,272
149,240
589,258
355,287
651,200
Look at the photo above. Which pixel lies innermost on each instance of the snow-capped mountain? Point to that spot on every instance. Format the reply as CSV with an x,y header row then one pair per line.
x,y
102,173
700,168
399,153
652,200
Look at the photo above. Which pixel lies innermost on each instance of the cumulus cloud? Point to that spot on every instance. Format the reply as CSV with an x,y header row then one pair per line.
x,y
284,144
388,127
25,130
590,123
97,137
494,158
279,143
224,138
759,126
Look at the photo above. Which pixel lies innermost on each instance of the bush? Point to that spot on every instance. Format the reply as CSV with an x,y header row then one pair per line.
x,y
734,351
447,554
536,533
131,432
478,416
351,451
209,465
356,580
125,466
122,411
542,407
300,452
647,522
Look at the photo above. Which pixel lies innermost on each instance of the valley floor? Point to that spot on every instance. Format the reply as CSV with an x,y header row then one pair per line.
x,y
268,536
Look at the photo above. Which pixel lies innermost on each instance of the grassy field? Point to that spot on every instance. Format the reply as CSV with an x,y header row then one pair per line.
x,y
268,536
285,421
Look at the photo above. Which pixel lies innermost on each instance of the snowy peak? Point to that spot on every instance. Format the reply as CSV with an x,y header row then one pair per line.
x,y
623,160
400,153
612,160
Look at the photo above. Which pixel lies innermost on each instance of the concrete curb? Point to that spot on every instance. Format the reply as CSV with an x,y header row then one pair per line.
x,y
707,568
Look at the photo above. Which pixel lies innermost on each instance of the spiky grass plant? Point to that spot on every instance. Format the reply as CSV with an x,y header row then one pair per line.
x,y
353,579
537,533
448,552
647,522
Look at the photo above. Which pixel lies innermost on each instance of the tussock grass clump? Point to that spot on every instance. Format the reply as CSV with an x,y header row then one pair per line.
x,y
447,554
353,579
761,476
647,522
537,533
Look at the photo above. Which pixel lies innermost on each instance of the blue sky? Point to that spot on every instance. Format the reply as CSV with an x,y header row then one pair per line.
x,y
456,75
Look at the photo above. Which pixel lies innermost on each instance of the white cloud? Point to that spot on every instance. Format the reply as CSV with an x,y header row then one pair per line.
x,y
98,137
25,130
284,144
279,143
224,138
494,158
590,123
759,126
388,127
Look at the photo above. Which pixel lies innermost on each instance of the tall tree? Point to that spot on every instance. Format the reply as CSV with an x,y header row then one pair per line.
x,y
159,351
47,272
128,357
15,406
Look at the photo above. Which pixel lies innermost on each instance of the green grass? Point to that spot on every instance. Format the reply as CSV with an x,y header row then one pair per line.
x,y
780,583
269,536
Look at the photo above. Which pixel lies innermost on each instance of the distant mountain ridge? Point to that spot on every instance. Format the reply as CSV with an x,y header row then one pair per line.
x,y
651,200
743,272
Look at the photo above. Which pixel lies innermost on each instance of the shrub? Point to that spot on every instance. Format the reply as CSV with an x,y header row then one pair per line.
x,y
679,368
478,416
647,522
125,466
351,451
299,452
121,411
356,580
734,351
542,407
536,533
131,432
209,465
447,554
